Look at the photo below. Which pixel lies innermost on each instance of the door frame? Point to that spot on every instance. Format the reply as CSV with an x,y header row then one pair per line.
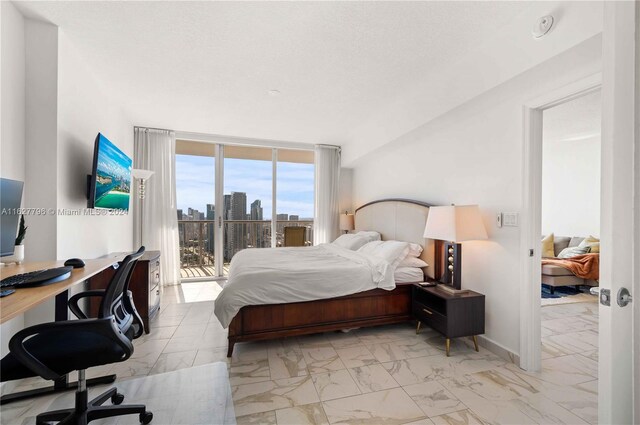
x,y
530,231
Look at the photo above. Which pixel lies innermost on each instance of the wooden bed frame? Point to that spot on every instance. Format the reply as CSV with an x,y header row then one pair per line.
x,y
363,309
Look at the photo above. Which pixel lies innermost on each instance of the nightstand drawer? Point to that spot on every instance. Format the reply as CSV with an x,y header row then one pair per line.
x,y
430,317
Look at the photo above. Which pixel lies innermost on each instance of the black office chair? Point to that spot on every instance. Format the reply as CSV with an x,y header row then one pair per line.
x,y
127,302
51,350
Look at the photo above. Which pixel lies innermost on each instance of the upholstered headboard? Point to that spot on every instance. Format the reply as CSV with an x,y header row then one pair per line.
x,y
402,220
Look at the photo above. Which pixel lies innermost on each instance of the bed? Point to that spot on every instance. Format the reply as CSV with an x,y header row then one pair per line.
x,y
394,219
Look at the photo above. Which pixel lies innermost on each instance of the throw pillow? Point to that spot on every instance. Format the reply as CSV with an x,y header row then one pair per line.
x,y
573,251
592,242
547,246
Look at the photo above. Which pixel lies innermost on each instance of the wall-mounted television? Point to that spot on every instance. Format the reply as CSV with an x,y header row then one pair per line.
x,y
110,180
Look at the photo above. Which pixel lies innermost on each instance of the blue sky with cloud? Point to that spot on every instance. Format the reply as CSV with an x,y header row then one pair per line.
x,y
195,184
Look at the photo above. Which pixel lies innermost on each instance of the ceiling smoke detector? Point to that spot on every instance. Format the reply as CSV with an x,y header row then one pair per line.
x,y
543,26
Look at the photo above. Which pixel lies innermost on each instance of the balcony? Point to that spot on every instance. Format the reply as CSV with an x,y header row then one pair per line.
x,y
196,238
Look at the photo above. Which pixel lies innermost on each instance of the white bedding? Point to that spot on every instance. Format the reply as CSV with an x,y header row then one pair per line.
x,y
285,275
408,274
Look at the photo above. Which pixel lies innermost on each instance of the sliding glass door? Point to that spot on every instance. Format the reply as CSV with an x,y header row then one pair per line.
x,y
233,197
196,199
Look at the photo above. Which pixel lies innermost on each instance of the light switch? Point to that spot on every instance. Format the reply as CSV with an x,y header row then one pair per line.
x,y
510,219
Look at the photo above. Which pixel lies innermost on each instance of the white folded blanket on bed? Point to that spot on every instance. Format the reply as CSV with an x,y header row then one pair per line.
x,y
286,275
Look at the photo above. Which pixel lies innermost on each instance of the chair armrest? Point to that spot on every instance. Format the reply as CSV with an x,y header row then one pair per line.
x,y
106,327
73,301
130,306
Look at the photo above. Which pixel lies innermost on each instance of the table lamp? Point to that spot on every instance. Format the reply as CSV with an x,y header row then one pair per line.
x,y
454,224
346,222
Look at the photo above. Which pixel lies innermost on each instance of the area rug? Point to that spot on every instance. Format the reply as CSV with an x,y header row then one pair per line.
x,y
196,395
566,295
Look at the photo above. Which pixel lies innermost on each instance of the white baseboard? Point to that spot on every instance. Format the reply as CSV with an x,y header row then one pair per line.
x,y
496,349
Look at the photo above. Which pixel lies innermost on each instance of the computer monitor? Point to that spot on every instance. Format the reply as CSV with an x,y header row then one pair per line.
x,y
10,201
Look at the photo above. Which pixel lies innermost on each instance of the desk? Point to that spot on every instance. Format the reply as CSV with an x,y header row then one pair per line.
x,y
26,298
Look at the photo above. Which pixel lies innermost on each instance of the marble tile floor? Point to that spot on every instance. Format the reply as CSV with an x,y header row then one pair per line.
x,y
381,375
196,395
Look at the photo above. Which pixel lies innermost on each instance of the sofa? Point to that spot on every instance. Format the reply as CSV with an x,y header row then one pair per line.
x,y
554,276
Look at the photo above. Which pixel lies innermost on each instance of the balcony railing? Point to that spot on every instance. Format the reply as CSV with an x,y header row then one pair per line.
x,y
197,248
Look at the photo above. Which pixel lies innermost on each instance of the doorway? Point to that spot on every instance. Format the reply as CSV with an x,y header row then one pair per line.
x,y
570,247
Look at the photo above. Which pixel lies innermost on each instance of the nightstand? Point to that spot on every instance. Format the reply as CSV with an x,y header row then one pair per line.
x,y
453,316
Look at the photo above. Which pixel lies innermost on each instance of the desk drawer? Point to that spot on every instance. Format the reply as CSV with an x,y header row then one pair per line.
x,y
430,317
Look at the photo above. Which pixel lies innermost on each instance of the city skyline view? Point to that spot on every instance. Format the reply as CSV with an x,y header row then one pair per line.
x,y
195,184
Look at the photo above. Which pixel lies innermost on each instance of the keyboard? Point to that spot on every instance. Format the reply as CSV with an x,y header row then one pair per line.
x,y
36,278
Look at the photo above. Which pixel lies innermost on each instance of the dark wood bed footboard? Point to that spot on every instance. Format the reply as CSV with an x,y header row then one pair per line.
x,y
369,308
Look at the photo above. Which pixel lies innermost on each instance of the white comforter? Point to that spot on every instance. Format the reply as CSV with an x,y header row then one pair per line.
x,y
286,275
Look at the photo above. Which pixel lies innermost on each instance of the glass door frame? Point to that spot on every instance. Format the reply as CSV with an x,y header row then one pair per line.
x,y
219,144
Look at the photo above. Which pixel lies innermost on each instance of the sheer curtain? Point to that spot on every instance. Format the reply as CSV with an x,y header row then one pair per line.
x,y
155,150
326,225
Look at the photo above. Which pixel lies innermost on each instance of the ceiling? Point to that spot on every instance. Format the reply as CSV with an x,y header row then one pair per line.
x,y
578,119
339,66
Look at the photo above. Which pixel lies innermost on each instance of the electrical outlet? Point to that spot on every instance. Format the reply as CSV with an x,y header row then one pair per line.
x,y
499,220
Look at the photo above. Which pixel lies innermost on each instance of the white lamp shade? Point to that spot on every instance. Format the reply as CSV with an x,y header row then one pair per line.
x,y
347,222
138,173
456,223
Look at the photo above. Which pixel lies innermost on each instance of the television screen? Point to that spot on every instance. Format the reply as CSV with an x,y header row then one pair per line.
x,y
111,178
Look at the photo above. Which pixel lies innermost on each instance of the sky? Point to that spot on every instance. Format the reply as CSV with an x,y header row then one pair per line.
x,y
113,161
195,184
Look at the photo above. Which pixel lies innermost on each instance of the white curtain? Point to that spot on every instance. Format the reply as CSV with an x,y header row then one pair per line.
x,y
155,150
326,225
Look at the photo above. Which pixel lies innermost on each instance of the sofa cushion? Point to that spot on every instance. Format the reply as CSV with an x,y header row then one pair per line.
x,y
547,246
575,241
592,242
552,270
560,243
573,251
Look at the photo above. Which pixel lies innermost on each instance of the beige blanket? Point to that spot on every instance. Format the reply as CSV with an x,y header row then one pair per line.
x,y
585,266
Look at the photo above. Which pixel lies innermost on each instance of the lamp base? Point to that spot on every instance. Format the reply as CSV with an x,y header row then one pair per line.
x,y
451,290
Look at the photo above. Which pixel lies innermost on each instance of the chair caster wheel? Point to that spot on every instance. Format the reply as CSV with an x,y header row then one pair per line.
x,y
146,417
117,398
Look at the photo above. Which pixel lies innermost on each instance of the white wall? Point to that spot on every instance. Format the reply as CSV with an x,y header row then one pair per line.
x,y
64,109
12,88
12,110
571,187
473,155
345,190
84,109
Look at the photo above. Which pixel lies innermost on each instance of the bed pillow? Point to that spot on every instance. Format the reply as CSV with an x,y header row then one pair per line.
x,y
412,262
592,242
392,252
414,250
547,246
573,251
370,235
351,241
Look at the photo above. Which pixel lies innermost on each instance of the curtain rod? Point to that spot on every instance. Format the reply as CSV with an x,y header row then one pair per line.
x,y
215,138
139,127
330,146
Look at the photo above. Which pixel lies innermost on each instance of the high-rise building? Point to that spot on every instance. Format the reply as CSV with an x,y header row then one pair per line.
x,y
282,217
294,218
237,211
211,215
256,229
179,214
256,210
225,215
